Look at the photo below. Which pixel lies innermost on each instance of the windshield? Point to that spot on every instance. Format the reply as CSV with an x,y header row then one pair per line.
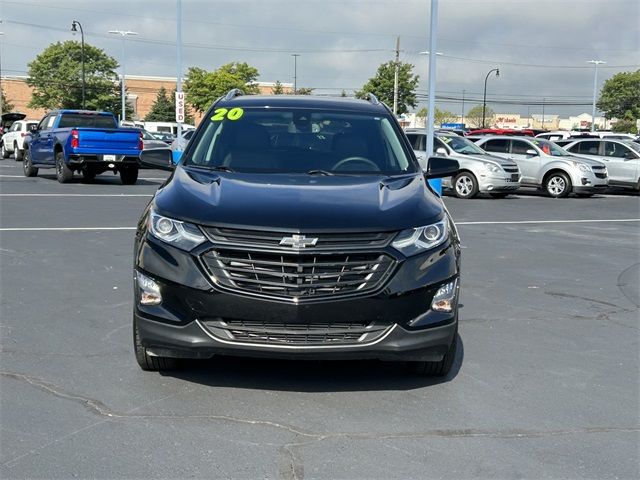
x,y
549,148
462,145
634,146
292,140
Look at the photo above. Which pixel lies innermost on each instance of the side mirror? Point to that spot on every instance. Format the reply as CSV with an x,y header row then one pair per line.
x,y
438,167
532,152
630,156
33,128
442,152
160,158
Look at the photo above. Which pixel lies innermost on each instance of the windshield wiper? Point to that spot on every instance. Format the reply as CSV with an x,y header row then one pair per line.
x,y
319,172
222,168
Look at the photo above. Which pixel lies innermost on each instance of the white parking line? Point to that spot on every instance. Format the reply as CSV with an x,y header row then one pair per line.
x,y
525,222
75,195
521,222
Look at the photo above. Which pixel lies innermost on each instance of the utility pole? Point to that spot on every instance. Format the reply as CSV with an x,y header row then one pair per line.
x,y
462,120
431,103
395,78
1,90
179,66
542,126
124,34
295,72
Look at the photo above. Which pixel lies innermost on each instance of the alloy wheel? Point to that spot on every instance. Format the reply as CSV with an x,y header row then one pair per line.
x,y
464,186
556,186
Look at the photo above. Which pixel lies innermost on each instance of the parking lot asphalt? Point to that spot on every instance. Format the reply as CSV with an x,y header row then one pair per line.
x,y
545,386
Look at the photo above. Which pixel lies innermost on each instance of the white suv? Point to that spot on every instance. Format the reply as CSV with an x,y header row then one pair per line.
x,y
545,165
13,140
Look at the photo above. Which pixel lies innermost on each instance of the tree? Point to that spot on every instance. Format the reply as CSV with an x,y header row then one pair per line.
x,y
343,93
56,78
625,126
443,116
620,98
6,105
163,109
277,88
474,116
304,91
382,85
203,87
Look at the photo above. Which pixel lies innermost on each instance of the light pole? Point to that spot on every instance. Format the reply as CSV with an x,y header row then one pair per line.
x,y
595,88
462,119
75,24
295,72
431,100
124,35
484,98
1,90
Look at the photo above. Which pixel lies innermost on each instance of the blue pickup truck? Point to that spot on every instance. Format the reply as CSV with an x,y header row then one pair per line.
x,y
83,141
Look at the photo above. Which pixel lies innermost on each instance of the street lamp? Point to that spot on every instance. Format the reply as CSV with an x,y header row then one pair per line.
x,y
1,91
484,100
295,72
595,87
74,30
124,35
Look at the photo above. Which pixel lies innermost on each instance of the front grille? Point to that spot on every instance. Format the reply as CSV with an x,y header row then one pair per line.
x,y
294,333
514,177
511,170
599,171
600,175
298,276
324,241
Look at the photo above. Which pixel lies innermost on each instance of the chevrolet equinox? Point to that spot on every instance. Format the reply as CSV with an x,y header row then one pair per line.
x,y
297,227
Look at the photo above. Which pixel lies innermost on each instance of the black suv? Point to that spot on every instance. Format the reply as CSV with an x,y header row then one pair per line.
x,y
298,227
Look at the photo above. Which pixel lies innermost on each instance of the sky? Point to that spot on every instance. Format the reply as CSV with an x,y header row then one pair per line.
x,y
540,46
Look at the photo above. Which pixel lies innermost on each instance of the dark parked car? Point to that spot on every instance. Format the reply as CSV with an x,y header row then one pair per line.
x,y
299,227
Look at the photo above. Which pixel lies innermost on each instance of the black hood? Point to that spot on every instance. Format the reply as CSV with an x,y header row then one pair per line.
x,y
298,202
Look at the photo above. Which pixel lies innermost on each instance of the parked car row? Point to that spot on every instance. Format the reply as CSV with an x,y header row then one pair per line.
x,y
500,164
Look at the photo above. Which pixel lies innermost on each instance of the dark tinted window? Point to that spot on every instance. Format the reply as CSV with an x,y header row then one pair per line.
x,y
519,147
69,120
612,149
417,141
295,140
589,147
497,145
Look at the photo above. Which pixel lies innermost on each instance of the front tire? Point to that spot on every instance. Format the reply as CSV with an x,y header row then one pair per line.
x,y
27,167
465,185
63,173
441,368
557,185
129,175
4,152
147,362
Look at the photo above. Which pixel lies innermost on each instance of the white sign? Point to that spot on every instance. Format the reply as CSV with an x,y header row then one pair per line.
x,y
180,107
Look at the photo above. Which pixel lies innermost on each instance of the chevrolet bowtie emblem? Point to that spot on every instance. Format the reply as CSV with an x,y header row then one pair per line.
x,y
298,241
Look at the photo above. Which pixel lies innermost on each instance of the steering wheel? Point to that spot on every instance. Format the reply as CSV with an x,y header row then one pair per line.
x,y
344,161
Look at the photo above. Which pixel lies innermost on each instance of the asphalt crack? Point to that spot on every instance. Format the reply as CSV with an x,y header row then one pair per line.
x,y
98,408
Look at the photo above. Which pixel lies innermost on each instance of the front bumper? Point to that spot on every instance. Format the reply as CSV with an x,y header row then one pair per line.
x,y
181,325
500,183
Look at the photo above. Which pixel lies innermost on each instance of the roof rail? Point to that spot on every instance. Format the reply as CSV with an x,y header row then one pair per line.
x,y
371,98
234,92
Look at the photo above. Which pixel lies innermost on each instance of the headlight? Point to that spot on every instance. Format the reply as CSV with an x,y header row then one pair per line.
x,y
416,240
582,167
180,234
492,167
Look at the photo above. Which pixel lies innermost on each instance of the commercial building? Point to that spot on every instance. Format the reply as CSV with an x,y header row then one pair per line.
x,y
141,94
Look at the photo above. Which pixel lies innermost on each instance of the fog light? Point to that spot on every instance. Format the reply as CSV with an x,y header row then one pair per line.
x,y
149,290
444,299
